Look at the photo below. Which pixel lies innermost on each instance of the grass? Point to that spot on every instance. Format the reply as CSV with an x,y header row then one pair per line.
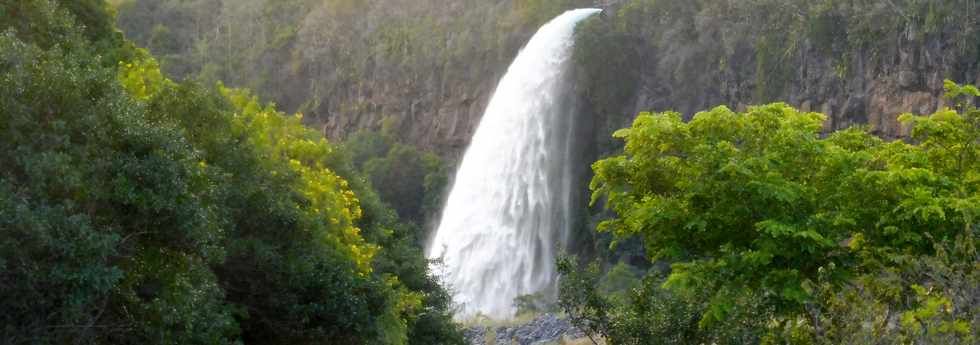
x,y
579,341
483,321
583,341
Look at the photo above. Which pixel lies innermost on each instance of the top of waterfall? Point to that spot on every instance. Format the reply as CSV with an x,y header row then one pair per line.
x,y
589,10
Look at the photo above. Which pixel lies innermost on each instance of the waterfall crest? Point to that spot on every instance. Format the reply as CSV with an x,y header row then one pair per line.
x,y
508,212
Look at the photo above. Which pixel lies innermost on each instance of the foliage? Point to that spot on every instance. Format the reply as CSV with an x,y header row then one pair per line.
x,y
335,56
757,206
401,255
408,180
347,65
619,280
578,296
540,11
891,307
376,161
94,190
137,209
534,304
647,313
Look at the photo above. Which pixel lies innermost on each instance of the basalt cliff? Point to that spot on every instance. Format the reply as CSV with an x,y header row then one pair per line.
x,y
425,69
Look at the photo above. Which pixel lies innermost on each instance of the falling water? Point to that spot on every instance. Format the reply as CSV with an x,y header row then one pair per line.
x,y
509,208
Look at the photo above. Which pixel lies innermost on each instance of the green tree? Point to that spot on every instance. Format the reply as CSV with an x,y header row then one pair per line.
x,y
759,202
581,300
95,192
409,180
140,210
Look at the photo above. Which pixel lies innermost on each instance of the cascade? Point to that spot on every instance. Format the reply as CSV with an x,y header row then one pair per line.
x,y
509,208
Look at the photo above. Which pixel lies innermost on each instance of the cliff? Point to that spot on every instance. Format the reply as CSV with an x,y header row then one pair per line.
x,y
861,64
430,66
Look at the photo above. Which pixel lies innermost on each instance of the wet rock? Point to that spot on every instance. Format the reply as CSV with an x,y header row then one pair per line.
x,y
476,335
907,79
545,329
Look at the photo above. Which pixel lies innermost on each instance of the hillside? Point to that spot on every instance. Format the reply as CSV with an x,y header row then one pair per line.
x,y
431,65
347,64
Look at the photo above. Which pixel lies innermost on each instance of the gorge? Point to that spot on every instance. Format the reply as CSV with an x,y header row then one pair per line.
x,y
453,172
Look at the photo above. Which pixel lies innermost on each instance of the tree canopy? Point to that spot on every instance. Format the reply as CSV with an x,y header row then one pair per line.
x,y
761,208
136,209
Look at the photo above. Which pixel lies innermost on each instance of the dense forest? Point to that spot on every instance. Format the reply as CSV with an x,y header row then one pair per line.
x,y
270,171
136,209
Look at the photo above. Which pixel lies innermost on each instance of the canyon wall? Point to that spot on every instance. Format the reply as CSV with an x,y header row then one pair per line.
x,y
425,69
860,62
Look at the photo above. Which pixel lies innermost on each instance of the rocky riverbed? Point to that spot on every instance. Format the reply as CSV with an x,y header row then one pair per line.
x,y
545,329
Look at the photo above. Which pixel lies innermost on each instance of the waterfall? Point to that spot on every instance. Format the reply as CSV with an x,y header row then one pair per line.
x,y
509,211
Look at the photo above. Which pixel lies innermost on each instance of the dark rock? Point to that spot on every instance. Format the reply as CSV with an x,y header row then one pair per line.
x,y
475,335
546,328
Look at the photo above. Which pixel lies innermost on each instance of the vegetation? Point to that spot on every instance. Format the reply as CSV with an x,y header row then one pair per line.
x,y
143,201
410,181
331,57
348,64
780,235
137,209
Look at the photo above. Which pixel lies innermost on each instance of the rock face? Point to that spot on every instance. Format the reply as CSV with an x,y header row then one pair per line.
x,y
426,68
441,115
438,120
544,329
875,94
722,59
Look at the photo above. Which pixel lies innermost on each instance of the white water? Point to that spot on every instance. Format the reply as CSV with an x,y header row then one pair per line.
x,y
508,212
